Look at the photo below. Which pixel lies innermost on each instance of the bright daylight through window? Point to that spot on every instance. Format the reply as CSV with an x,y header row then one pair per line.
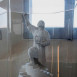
x,y
51,11
75,15
3,18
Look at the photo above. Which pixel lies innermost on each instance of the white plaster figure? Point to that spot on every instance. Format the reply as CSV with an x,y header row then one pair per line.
x,y
41,39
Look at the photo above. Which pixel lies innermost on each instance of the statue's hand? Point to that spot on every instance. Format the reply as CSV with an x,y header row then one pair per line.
x,y
37,42
45,43
25,15
37,39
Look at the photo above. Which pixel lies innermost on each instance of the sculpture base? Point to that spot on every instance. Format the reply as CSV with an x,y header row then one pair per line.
x,y
33,71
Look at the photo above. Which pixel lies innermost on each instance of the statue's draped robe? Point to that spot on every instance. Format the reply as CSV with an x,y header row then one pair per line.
x,y
41,39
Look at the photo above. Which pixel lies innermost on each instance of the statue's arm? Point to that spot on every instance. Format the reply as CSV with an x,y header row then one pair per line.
x,y
30,27
26,20
47,42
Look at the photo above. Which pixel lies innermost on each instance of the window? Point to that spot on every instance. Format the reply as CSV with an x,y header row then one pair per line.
x,y
50,11
1,0
75,15
56,14
75,21
3,18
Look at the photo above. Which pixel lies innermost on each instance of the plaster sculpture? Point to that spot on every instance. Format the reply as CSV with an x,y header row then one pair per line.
x,y
28,71
41,39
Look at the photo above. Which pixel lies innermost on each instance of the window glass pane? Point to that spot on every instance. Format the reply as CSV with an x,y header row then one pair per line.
x,y
75,15
49,19
50,11
3,18
46,6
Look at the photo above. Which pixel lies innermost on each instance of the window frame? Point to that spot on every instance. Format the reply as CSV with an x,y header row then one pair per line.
x,y
57,33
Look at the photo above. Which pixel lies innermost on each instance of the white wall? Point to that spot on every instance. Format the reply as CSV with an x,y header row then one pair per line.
x,y
16,5
16,27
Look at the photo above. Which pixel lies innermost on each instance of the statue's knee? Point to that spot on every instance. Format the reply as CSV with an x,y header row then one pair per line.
x,y
33,52
30,50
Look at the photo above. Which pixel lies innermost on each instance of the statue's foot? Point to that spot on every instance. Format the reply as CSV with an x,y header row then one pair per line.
x,y
23,73
31,64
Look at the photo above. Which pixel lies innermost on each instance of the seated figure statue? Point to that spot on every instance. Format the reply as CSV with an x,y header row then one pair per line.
x,y
41,39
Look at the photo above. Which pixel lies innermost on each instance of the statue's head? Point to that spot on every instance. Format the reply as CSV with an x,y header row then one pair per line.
x,y
41,24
